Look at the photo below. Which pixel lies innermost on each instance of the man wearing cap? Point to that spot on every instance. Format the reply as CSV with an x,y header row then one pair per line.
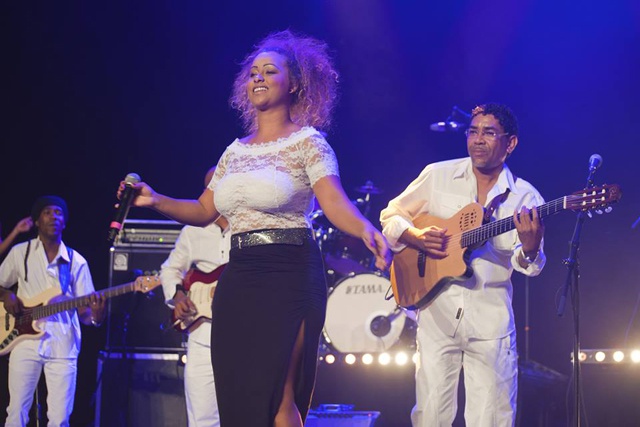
x,y
38,265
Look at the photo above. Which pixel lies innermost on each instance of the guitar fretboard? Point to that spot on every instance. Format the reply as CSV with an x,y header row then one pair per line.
x,y
57,307
487,231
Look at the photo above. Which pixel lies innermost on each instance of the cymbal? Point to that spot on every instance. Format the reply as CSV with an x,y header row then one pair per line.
x,y
368,188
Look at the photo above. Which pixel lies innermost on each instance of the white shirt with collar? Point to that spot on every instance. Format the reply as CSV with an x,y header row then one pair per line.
x,y
62,331
206,248
482,302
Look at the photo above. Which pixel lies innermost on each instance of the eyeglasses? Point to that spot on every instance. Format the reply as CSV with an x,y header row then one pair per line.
x,y
489,134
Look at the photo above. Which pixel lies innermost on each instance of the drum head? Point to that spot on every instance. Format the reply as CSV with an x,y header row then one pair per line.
x,y
355,309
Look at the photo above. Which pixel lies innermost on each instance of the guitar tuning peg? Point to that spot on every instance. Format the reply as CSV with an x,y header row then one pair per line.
x,y
589,214
599,211
608,209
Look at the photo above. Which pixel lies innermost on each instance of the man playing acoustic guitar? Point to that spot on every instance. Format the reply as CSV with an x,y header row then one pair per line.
x,y
469,321
188,277
44,267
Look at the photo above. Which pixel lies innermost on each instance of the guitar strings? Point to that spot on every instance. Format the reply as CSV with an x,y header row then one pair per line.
x,y
486,231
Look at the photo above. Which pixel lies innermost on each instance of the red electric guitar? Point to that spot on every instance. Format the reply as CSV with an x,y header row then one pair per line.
x,y
200,289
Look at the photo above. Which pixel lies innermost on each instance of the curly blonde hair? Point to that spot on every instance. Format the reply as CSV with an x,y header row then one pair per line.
x,y
311,71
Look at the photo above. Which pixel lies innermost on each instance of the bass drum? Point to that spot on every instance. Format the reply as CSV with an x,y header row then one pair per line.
x,y
359,318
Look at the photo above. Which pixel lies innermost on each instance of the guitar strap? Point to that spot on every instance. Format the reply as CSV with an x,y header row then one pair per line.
x,y
499,199
64,269
64,272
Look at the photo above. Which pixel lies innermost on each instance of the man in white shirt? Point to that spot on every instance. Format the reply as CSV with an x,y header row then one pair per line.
x,y
470,322
38,266
206,249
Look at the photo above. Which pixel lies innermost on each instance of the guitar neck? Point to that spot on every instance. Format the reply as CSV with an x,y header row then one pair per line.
x,y
492,229
57,307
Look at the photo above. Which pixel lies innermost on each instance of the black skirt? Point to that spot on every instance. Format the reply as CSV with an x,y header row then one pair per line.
x,y
263,297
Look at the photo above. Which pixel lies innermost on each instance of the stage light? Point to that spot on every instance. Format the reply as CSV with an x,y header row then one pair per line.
x,y
384,358
620,356
350,359
401,358
330,359
367,359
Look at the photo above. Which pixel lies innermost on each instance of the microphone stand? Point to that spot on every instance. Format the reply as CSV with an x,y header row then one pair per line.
x,y
572,282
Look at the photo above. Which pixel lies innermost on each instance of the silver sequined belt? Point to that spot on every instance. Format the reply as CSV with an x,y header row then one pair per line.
x,y
281,236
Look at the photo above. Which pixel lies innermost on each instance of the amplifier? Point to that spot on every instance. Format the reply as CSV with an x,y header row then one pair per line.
x,y
146,232
140,390
137,321
338,415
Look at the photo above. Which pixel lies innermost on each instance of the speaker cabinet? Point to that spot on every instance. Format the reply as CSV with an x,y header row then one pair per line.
x,y
140,390
138,321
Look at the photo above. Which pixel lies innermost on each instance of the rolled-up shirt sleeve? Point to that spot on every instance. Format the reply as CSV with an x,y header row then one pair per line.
x,y
398,216
534,268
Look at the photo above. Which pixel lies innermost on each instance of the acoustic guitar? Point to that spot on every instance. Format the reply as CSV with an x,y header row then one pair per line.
x,y
417,279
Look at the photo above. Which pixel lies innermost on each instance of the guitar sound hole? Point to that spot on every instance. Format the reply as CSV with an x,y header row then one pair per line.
x,y
467,220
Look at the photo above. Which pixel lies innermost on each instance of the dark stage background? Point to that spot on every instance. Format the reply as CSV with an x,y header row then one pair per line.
x,y
93,91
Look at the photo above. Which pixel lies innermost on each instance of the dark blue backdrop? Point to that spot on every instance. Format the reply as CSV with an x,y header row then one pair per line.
x,y
94,91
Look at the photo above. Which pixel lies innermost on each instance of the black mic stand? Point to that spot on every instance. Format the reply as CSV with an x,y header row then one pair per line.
x,y
572,282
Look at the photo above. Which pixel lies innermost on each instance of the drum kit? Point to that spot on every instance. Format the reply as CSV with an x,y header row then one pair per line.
x,y
362,315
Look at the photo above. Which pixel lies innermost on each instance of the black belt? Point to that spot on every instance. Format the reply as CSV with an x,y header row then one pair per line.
x,y
278,236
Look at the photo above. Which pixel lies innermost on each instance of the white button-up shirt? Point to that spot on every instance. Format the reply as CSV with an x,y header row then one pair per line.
x,y
62,331
482,302
206,248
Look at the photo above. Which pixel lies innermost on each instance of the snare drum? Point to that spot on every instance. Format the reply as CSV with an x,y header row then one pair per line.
x,y
359,318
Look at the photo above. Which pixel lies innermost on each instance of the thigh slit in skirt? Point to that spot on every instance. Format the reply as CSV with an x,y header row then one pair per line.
x,y
265,295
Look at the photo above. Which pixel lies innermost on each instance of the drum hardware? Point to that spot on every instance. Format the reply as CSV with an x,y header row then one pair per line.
x,y
381,325
342,253
368,188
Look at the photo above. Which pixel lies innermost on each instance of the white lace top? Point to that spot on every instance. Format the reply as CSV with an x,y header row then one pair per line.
x,y
269,185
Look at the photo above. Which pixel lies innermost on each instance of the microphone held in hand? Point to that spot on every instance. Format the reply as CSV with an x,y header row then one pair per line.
x,y
128,194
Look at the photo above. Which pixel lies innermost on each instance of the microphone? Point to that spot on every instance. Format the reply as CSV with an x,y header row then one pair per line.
x,y
128,195
595,161
381,325
448,126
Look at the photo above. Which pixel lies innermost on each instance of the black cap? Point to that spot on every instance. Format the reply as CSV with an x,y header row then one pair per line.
x,y
44,201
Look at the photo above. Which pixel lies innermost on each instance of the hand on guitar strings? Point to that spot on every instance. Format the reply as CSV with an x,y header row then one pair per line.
x,y
432,240
184,308
12,303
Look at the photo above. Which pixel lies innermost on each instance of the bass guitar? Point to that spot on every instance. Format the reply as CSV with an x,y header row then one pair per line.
x,y
417,279
25,325
200,289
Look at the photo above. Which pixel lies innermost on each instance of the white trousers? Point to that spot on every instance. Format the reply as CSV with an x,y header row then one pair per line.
x,y
25,367
200,390
490,379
